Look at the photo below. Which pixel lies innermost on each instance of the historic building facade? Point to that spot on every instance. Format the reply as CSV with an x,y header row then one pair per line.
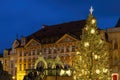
x,y
57,40
114,40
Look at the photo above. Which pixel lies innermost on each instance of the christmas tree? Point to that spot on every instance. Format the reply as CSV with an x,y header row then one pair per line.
x,y
92,58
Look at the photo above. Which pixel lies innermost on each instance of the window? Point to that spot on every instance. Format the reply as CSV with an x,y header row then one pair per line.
x,y
24,66
38,52
33,52
29,59
12,64
73,48
62,49
33,59
29,66
20,67
67,49
44,49
115,45
24,60
29,54
54,50
49,51
25,54
20,60
20,54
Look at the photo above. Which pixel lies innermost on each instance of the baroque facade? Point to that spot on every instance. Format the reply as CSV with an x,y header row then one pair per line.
x,y
57,40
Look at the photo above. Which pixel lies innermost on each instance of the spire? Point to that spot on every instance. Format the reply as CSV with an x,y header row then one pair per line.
x,y
91,10
118,23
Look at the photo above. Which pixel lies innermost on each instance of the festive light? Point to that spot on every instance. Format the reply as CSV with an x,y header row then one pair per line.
x,y
92,31
62,72
86,44
68,72
98,71
13,77
105,70
77,52
96,57
93,21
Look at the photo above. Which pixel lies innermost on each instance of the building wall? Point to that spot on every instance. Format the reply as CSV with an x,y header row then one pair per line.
x,y
18,59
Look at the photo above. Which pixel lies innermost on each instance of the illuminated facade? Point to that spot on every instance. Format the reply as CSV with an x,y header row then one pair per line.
x,y
61,39
51,41
114,40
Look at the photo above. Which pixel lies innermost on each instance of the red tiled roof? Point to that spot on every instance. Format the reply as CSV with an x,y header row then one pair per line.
x,y
50,34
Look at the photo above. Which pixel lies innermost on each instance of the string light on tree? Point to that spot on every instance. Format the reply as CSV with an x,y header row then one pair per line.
x,y
86,44
93,21
92,31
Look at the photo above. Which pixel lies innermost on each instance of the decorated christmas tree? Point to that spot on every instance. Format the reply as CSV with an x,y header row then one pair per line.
x,y
92,58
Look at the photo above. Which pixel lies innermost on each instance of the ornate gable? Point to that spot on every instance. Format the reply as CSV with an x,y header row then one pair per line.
x,y
66,38
32,43
16,43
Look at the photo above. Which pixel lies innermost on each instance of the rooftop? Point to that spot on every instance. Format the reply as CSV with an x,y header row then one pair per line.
x,y
50,34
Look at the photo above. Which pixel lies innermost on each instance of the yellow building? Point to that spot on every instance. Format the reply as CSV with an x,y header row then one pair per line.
x,y
61,40
114,40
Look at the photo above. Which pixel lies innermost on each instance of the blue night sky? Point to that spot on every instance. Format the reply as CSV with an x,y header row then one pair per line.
x,y
23,17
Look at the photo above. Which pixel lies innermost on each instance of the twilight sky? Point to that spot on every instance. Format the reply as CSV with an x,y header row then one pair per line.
x,y
23,17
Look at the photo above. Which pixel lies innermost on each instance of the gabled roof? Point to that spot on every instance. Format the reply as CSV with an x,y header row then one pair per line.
x,y
50,34
118,23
